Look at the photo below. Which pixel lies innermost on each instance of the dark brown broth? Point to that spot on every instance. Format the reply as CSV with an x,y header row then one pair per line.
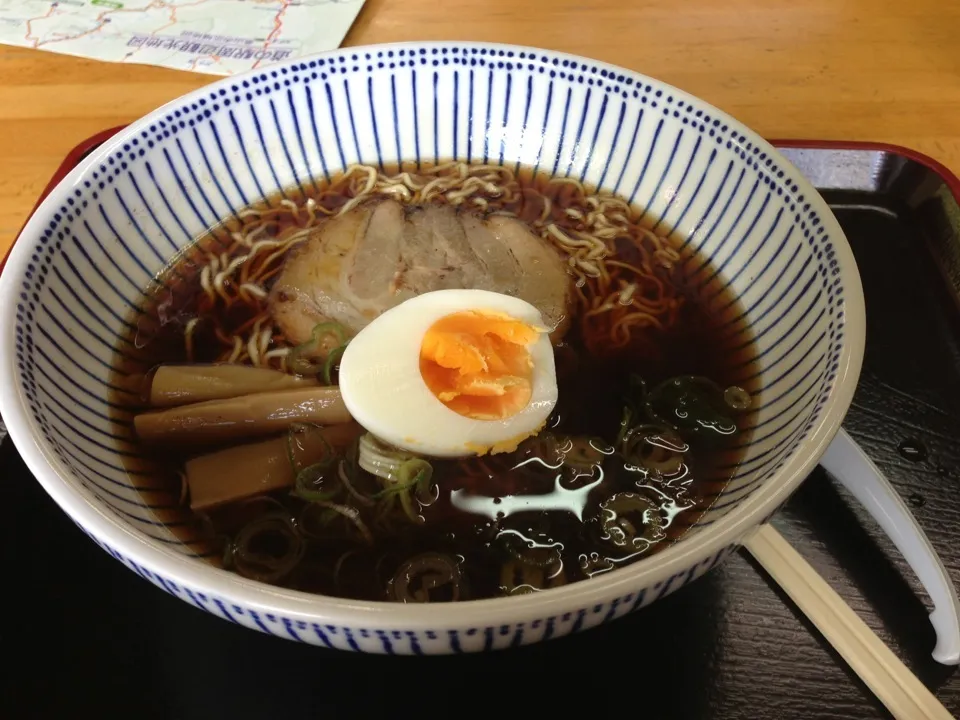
x,y
704,341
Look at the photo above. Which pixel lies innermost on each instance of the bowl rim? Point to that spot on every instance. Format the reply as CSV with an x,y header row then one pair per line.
x,y
80,505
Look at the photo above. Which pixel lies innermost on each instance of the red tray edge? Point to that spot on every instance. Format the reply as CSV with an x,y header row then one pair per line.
x,y
84,148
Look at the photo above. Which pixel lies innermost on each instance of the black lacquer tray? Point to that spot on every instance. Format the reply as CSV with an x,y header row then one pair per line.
x,y
83,636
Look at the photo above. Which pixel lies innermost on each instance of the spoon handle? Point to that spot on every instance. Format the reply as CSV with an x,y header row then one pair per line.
x,y
846,462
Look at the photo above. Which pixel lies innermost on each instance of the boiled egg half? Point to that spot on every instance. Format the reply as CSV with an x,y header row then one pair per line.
x,y
452,373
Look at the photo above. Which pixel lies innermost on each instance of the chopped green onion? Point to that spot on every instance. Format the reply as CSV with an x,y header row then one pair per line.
x,y
430,577
406,502
300,358
654,447
329,328
583,454
737,398
631,522
403,472
306,486
265,563
351,514
344,476
691,404
331,362
414,474
545,447
519,578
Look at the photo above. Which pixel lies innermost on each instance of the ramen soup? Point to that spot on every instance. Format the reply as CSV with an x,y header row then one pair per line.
x,y
436,383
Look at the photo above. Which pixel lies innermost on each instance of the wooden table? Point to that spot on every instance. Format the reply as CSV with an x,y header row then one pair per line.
x,y
885,70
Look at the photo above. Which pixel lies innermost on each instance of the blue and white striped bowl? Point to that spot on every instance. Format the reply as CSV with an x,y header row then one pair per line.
x,y
85,258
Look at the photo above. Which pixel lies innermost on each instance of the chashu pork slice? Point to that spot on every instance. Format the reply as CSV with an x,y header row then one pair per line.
x,y
543,279
356,266
320,281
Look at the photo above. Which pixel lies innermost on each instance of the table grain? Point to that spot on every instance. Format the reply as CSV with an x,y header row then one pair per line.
x,y
883,70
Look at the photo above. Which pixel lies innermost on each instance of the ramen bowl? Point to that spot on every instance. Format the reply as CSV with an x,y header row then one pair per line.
x,y
82,262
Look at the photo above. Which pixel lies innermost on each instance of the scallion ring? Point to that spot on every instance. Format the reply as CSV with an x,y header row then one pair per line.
x,y
331,362
300,359
308,484
737,398
267,549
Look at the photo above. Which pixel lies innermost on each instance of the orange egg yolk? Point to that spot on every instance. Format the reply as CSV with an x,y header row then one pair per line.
x,y
478,365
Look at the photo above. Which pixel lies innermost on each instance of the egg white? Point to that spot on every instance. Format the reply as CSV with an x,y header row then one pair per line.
x,y
384,391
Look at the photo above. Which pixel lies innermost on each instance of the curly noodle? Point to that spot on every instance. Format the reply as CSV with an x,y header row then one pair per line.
x,y
621,269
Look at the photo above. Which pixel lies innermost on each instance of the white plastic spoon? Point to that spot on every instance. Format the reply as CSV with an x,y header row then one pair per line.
x,y
846,462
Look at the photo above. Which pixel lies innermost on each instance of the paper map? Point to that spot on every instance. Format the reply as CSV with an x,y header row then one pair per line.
x,y
220,37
